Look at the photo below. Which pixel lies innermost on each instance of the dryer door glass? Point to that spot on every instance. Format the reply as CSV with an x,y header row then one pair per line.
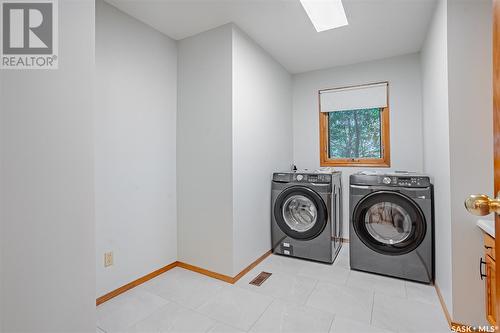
x,y
300,213
388,223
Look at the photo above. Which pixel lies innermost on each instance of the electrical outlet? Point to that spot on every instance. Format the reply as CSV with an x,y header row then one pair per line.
x,y
108,259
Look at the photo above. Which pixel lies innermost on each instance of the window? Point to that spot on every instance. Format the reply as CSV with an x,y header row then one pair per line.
x,y
354,126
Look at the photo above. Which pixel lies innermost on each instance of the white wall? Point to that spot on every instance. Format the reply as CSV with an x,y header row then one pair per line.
x,y
457,90
234,130
47,192
403,74
262,143
436,142
471,145
135,148
2,217
204,151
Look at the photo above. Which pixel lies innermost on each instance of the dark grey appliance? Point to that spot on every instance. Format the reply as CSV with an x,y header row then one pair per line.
x,y
391,229
306,215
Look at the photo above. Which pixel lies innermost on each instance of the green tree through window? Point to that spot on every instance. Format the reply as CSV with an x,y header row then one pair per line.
x,y
354,134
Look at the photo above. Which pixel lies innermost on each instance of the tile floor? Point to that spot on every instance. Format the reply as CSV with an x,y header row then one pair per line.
x,y
300,296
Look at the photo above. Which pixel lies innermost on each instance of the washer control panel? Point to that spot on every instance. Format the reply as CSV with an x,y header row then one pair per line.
x,y
303,177
312,178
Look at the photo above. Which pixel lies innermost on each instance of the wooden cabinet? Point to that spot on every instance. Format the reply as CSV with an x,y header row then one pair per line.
x,y
489,246
490,272
490,290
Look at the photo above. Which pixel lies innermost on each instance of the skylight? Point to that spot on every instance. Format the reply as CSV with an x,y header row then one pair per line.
x,y
325,14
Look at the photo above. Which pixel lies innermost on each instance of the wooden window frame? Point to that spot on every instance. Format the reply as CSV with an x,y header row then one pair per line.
x,y
385,142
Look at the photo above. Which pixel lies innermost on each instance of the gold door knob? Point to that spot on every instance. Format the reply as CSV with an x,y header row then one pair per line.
x,y
480,204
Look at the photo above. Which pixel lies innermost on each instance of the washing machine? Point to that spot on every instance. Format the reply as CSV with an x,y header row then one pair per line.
x,y
391,229
306,215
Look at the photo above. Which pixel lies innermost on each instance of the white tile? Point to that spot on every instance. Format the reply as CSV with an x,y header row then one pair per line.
x,y
287,287
276,263
291,300
287,317
343,300
378,283
421,292
346,325
324,272
187,288
236,307
403,315
222,328
342,259
344,251
173,318
127,309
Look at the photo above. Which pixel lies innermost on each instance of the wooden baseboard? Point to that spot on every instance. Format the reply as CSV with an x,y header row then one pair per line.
x,y
225,278
341,240
134,283
454,326
215,275
251,266
218,276
443,305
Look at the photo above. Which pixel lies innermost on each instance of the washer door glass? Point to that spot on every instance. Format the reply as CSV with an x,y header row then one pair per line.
x,y
388,223
300,213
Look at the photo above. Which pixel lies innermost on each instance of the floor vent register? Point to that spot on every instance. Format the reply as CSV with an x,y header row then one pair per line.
x,y
259,279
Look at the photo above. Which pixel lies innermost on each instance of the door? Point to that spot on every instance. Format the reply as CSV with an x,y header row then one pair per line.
x,y
482,204
389,223
300,212
496,125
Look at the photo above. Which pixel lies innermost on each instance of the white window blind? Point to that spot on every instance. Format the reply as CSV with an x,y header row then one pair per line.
x,y
354,98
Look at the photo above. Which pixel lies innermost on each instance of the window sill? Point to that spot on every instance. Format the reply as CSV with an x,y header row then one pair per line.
x,y
361,163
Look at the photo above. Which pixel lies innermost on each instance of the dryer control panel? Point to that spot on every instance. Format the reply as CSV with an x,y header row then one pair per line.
x,y
407,180
416,181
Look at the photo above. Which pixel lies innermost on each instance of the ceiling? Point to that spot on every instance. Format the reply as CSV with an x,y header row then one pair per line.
x,y
377,28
